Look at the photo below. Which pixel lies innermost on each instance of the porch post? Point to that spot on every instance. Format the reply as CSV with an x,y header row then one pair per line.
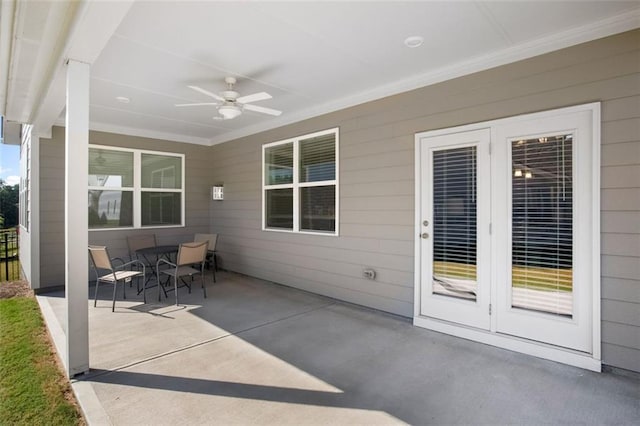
x,y
76,218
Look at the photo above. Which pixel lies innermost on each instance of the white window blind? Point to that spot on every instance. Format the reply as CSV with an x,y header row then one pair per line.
x,y
455,221
542,223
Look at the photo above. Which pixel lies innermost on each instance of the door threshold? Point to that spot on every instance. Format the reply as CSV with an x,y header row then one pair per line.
x,y
537,349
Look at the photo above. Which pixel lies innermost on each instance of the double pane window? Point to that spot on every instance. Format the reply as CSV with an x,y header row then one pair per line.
x,y
133,188
300,184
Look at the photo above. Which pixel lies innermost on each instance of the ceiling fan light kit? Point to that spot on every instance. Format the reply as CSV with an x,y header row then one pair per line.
x,y
231,104
229,111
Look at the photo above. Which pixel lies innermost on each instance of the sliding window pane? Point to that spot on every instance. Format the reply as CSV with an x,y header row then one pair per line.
x,y
161,171
318,208
542,224
279,208
318,158
110,168
161,208
279,164
110,209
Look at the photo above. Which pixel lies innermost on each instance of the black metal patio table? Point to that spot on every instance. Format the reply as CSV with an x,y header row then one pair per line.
x,y
151,255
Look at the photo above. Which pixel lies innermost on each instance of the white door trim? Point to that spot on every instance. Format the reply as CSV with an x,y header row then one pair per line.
x,y
591,361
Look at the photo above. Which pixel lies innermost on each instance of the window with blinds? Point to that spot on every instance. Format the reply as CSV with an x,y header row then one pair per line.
x,y
300,184
455,222
542,224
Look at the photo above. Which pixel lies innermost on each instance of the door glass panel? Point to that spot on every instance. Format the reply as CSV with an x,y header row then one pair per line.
x,y
542,224
455,222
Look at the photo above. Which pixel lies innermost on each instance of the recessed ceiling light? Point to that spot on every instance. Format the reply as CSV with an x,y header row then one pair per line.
x,y
413,41
123,99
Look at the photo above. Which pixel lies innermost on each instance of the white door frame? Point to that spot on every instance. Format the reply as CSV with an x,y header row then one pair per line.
x,y
590,361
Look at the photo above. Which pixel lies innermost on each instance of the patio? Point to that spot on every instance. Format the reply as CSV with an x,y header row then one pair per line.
x,y
258,353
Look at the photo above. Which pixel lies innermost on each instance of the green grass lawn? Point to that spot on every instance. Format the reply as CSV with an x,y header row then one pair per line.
x,y
32,387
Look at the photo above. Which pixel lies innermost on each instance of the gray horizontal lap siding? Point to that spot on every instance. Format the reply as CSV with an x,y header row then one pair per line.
x,y
377,183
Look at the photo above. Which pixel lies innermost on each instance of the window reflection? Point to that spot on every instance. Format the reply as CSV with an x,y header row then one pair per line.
x,y
109,168
161,171
110,209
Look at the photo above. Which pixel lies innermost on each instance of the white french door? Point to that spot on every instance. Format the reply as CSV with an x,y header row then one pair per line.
x,y
508,229
454,227
544,202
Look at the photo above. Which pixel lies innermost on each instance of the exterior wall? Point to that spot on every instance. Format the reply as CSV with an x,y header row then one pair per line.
x,y
377,183
197,200
29,213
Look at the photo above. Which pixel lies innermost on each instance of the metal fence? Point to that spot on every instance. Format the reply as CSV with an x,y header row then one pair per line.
x,y
9,249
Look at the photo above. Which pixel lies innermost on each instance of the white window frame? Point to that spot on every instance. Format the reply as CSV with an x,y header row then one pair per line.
x,y
296,184
24,193
138,189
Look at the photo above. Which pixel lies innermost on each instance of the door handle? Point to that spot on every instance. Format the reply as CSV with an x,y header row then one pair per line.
x,y
424,235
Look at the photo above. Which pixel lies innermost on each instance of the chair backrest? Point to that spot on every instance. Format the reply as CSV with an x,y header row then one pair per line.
x,y
211,238
137,242
100,257
190,253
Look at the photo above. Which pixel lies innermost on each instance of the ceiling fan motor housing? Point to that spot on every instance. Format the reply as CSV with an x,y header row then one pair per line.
x,y
230,95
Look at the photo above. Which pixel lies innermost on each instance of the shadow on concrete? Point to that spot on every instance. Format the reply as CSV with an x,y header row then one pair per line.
x,y
222,388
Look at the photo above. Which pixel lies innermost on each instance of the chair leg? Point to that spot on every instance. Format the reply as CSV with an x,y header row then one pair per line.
x,y
95,299
204,289
144,289
115,287
175,284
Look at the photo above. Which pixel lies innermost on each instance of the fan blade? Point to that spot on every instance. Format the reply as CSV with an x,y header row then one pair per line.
x,y
206,92
253,98
198,104
263,110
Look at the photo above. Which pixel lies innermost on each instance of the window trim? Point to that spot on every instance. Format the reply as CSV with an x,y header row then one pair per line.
x,y
296,184
138,189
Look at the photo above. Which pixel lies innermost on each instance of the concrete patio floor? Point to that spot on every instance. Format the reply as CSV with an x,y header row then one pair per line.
x,y
259,353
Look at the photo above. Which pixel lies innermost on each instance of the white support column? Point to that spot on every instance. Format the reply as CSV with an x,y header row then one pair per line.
x,y
76,219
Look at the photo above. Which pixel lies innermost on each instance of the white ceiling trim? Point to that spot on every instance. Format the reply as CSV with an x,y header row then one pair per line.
x,y
132,131
603,28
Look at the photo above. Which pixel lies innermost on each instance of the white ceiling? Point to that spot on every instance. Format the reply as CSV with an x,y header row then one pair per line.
x,y
312,57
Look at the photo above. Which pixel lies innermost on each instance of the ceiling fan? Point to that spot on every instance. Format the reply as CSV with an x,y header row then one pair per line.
x,y
230,104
